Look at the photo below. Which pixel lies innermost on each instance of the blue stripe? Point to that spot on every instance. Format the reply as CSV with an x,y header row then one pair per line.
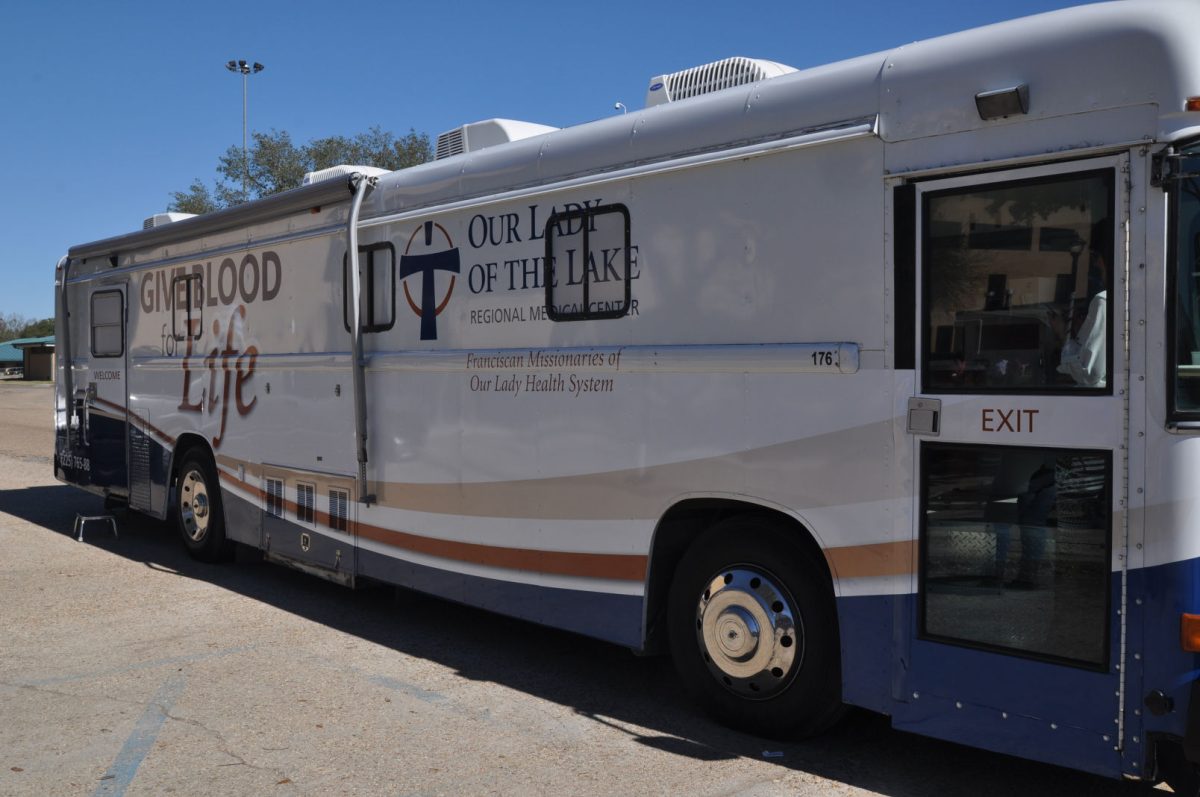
x,y
124,768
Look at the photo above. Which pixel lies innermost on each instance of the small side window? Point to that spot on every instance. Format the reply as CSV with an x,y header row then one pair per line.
x,y
187,318
108,324
378,298
588,264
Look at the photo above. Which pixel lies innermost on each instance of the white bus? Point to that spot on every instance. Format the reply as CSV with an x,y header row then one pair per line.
x,y
874,384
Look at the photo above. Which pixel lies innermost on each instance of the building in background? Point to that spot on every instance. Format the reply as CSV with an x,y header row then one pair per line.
x,y
33,356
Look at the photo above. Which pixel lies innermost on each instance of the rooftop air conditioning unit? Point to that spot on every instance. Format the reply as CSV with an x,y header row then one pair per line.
x,y
159,219
712,77
344,170
488,133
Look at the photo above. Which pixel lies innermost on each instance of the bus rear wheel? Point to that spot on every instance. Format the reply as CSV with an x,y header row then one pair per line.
x,y
753,630
198,510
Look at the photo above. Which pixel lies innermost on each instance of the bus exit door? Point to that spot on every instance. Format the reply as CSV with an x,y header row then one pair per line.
x,y
1014,446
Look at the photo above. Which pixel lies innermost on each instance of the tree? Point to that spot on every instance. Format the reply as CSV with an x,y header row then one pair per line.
x,y
197,199
13,326
276,164
9,325
38,329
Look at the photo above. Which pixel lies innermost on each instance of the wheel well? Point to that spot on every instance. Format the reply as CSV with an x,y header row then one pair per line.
x,y
683,523
184,445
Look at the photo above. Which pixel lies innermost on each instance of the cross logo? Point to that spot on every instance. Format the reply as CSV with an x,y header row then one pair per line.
x,y
427,264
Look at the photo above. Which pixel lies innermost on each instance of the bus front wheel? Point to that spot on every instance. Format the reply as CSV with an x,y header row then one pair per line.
x,y
198,509
753,630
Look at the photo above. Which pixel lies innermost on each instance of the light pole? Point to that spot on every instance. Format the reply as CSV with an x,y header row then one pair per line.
x,y
246,68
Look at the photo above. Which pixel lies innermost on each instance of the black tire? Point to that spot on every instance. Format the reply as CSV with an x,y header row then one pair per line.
x,y
740,576
198,510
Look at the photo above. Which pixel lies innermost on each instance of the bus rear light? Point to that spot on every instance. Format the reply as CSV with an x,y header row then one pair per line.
x,y
1189,632
1191,104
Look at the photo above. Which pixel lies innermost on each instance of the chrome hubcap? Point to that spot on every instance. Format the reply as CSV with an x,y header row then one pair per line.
x,y
749,632
194,505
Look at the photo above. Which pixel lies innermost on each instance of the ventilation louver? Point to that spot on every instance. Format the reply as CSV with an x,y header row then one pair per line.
x,y
449,144
338,501
159,219
712,77
275,497
488,133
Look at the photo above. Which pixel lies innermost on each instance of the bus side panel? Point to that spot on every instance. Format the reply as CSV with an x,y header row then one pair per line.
x,y
1169,584
1051,736
866,626
610,617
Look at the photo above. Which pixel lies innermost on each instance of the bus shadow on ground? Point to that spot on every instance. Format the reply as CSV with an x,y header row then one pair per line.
x,y
605,683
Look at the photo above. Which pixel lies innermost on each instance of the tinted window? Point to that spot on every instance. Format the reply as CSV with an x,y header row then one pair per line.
x,y
1017,278
1015,549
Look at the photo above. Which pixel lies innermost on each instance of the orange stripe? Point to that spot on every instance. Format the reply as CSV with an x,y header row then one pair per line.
x,y
872,560
125,412
618,567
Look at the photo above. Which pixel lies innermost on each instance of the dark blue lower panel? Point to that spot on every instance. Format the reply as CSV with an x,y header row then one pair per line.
x,y
107,451
613,618
102,463
1043,711
1165,592
883,665
867,626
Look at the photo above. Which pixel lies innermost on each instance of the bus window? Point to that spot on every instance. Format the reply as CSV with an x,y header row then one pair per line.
x,y
588,260
1016,284
1015,550
1186,277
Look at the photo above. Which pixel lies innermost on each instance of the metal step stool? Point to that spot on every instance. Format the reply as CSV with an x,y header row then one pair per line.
x,y
81,521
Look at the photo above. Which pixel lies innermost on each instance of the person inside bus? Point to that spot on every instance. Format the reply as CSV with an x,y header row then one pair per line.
x,y
1023,490
1084,353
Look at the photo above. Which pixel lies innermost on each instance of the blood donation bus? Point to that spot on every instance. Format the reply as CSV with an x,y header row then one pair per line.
x,y
876,383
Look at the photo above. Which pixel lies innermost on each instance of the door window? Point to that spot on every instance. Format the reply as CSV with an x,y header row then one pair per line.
x,y
108,324
1015,549
1018,278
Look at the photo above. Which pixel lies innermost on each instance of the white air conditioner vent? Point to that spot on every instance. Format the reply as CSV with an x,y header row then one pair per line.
x,y
449,144
712,77
159,219
345,170
488,133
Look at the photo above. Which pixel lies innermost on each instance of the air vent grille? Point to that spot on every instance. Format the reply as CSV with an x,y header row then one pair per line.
x,y
275,497
713,77
338,505
304,503
707,78
450,144
488,133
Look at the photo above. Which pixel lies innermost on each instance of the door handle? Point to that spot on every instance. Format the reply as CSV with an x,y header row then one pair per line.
x,y
924,416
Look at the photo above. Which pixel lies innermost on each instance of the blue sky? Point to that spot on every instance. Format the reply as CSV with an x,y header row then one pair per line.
x,y
108,107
